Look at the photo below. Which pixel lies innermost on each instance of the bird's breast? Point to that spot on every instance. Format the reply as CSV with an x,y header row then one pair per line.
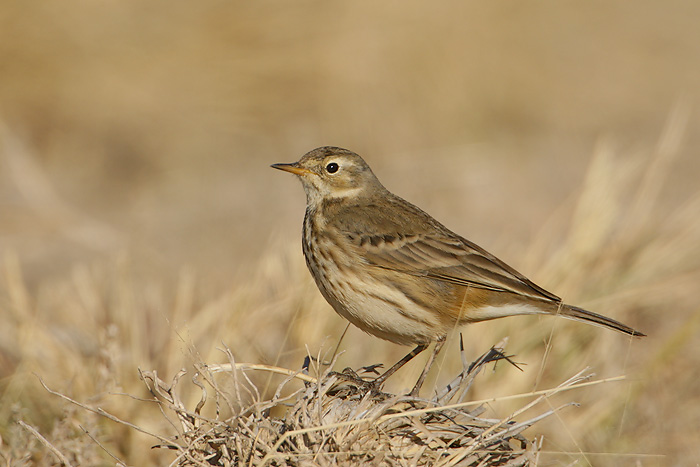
x,y
365,295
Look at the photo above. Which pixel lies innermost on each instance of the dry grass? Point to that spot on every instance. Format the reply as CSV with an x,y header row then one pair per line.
x,y
335,419
140,225
87,333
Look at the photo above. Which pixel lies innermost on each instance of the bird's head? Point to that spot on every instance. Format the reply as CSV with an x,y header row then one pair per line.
x,y
329,172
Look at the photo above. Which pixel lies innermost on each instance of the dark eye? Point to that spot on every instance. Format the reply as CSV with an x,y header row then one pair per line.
x,y
332,168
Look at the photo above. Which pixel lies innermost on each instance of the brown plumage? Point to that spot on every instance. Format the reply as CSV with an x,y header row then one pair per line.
x,y
397,273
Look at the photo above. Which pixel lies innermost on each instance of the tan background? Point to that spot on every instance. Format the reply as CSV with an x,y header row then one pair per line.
x,y
136,136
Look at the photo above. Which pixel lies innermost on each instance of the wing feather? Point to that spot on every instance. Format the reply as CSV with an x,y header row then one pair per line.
x,y
405,239
460,263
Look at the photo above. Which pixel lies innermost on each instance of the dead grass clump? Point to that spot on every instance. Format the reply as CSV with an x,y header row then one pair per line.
x,y
336,419
340,419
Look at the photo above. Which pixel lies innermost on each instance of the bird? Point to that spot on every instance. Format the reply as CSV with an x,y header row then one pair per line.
x,y
395,272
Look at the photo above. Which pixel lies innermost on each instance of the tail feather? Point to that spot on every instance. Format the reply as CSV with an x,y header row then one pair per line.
x,y
579,314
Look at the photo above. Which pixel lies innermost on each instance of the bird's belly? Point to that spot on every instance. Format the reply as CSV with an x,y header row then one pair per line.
x,y
362,296
379,309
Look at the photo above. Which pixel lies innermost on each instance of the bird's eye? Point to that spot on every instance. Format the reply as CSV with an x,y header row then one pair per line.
x,y
332,168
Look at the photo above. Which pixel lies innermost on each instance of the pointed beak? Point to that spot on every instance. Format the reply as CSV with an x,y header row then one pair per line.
x,y
294,168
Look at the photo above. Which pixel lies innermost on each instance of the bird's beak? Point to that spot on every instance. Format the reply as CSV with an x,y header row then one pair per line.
x,y
294,168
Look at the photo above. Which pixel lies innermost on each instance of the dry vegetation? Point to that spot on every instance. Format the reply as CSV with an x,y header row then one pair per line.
x,y
141,229
338,419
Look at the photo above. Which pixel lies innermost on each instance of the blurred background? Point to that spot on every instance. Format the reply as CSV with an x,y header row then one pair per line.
x,y
139,218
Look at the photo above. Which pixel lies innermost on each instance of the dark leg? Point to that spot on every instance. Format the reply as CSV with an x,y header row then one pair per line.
x,y
380,379
431,360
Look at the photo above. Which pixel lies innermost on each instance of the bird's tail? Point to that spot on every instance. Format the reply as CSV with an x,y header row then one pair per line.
x,y
579,314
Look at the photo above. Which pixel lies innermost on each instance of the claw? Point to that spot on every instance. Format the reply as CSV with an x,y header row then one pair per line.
x,y
372,368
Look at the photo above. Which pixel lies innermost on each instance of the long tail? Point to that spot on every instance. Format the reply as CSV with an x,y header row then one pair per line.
x,y
579,314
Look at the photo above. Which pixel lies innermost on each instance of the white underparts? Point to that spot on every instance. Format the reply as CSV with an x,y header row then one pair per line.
x,y
493,312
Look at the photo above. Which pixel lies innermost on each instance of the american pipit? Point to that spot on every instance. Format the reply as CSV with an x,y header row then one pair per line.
x,y
395,272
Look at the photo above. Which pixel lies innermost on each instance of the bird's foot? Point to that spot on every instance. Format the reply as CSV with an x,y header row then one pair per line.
x,y
372,368
363,385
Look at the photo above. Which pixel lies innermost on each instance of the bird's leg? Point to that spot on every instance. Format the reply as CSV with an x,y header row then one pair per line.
x,y
380,379
416,389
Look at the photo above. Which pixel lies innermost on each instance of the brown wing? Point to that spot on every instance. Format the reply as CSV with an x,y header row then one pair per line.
x,y
405,239
454,260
